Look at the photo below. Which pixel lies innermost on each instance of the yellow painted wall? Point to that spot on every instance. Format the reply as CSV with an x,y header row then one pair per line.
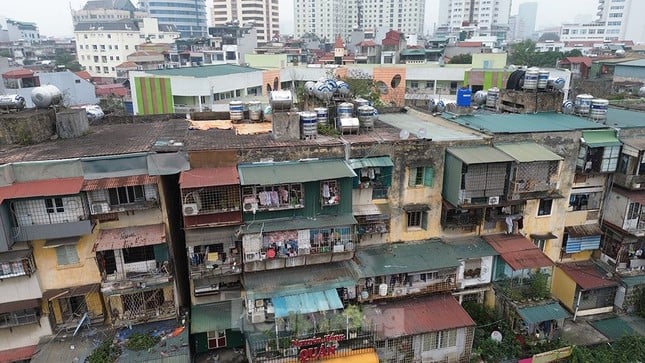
x,y
266,61
563,288
135,218
496,60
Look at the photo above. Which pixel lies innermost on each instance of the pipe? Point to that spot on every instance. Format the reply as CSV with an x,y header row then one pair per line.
x,y
575,313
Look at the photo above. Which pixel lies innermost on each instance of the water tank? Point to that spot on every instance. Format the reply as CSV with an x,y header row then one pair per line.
x,y
322,115
583,104
641,92
348,125
323,91
464,96
45,96
16,102
441,106
567,107
280,100
382,290
543,79
479,98
333,86
236,110
556,83
345,109
366,116
310,86
343,88
599,108
308,125
255,110
531,79
491,97
361,102
432,105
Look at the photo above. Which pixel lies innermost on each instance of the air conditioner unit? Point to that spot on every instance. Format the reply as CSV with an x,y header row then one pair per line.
x,y
250,204
190,209
252,256
467,201
493,200
100,207
258,317
207,290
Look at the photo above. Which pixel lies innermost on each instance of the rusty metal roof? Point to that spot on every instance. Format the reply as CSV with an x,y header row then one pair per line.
x,y
71,291
205,177
418,316
19,305
126,181
517,251
503,243
118,238
583,230
48,187
587,275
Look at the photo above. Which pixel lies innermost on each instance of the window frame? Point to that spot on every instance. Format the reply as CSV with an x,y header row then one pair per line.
x,y
540,209
54,205
421,176
130,194
67,255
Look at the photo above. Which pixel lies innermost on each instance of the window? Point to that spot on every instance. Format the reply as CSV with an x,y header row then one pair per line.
x,y
126,195
138,254
67,255
540,243
585,201
610,159
417,219
54,205
633,210
545,207
421,176
440,339
329,193
216,339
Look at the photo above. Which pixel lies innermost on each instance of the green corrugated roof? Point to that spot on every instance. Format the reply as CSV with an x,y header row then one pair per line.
x,y
540,313
293,172
472,248
287,224
216,316
381,161
524,123
613,328
632,281
625,118
528,152
407,257
204,71
413,52
479,155
599,138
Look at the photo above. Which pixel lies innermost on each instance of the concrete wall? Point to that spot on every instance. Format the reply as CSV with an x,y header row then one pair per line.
x,y
75,90
563,288
24,336
27,127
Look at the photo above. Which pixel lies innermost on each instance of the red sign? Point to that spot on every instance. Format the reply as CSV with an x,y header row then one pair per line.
x,y
326,346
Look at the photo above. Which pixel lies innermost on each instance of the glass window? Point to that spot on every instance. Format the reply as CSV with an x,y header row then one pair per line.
x,y
421,176
126,195
417,219
54,205
67,255
585,201
545,206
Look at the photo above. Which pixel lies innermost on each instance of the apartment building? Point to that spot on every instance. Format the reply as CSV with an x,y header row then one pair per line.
x,y
18,31
263,15
479,17
187,16
106,10
617,20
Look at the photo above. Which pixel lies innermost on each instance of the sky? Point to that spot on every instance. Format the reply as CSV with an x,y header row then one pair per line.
x,y
54,19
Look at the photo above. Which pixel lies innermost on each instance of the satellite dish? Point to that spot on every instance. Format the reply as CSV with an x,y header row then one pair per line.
x,y
496,336
422,133
404,134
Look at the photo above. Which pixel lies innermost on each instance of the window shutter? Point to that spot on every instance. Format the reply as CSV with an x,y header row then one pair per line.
x,y
413,177
424,220
428,176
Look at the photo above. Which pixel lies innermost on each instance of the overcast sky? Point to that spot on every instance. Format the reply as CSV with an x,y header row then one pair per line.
x,y
54,19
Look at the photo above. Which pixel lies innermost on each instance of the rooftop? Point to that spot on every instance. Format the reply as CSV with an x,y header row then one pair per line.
x,y
525,123
416,123
587,275
625,118
204,71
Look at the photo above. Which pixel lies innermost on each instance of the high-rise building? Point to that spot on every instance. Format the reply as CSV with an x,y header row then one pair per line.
x,y
525,22
106,10
475,17
328,19
264,14
188,16
617,20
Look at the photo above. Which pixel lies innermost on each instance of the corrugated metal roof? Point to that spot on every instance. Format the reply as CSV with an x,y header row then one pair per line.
x,y
396,258
539,313
381,161
625,119
632,281
600,138
583,230
48,187
19,354
284,224
126,181
479,155
517,251
503,243
204,71
418,316
613,328
293,172
14,255
587,275
137,236
71,291
471,248
415,121
19,305
204,177
217,316
527,152
635,142
524,123
306,302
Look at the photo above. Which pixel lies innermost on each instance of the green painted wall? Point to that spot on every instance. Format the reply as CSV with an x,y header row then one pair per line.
x,y
452,179
154,95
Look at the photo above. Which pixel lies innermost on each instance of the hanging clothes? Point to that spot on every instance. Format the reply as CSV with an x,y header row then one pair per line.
x,y
509,224
325,191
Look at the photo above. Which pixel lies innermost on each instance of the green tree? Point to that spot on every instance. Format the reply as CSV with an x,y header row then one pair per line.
x,y
461,59
6,53
522,53
573,53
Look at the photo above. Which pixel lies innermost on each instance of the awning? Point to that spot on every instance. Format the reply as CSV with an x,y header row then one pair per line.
x,y
379,162
600,138
305,303
125,181
480,155
543,236
217,316
527,152
582,238
527,259
14,255
540,313
415,207
367,357
587,275
71,291
18,354
118,238
37,188
293,172
372,212
19,305
272,225
53,243
205,177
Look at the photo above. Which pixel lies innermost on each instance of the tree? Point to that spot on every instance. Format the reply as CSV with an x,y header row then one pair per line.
x,y
6,53
573,53
522,53
461,59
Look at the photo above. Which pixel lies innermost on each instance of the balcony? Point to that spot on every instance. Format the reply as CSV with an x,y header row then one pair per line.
x,y
53,230
630,181
203,269
412,285
14,319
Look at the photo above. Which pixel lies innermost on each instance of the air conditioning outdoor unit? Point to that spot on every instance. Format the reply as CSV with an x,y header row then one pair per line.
x,y
467,201
190,209
100,207
252,256
258,317
493,200
250,205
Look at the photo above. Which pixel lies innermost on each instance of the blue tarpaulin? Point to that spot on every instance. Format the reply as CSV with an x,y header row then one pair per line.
x,y
309,302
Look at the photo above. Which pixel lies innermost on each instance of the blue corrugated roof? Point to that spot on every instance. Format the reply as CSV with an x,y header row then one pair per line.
x,y
613,328
524,123
305,303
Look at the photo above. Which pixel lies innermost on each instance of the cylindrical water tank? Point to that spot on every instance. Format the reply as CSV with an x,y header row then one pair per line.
x,y
531,79
255,110
365,116
308,125
567,107
492,97
599,109
556,83
479,98
343,88
310,86
464,96
14,101
322,115
583,104
323,91
333,86
236,110
382,290
280,100
361,102
441,106
45,96
543,79
345,110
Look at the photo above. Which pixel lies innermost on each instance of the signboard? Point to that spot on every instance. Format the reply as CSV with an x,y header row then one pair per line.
x,y
317,348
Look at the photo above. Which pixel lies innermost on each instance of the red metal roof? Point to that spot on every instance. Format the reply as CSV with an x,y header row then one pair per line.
x,y
587,275
367,43
423,315
118,238
17,354
127,64
205,177
469,44
503,243
47,187
517,251
84,74
575,60
125,181
18,73
583,230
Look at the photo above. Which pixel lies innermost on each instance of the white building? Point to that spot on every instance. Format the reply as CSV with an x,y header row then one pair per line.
x,y
106,10
101,46
14,31
329,18
188,16
617,20
483,15
264,14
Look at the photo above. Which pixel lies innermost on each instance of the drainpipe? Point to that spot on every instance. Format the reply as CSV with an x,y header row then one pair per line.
x,y
347,147
575,313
